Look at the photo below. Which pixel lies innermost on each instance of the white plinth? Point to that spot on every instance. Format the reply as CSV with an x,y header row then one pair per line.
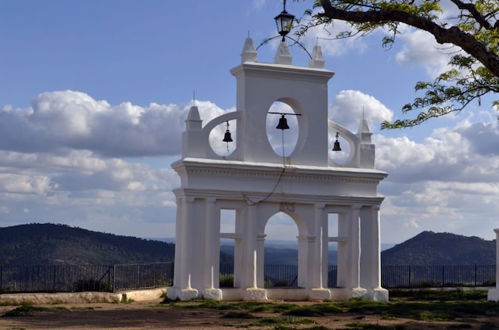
x,y
493,294
379,294
255,294
213,294
359,293
320,294
182,294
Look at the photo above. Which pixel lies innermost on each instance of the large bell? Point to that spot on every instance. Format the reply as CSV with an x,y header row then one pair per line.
x,y
283,123
336,146
227,137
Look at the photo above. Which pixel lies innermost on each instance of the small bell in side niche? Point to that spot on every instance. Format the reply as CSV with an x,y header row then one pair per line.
x,y
336,146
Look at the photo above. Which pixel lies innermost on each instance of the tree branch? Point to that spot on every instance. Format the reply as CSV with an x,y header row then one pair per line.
x,y
442,35
473,11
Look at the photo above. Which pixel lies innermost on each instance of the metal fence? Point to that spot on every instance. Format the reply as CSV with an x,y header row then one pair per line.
x,y
55,278
142,276
72,278
437,276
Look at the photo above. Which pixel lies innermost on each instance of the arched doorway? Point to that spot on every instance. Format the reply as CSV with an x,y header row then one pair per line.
x,y
281,252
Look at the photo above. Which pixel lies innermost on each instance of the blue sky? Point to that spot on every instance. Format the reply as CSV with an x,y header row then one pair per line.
x,y
93,96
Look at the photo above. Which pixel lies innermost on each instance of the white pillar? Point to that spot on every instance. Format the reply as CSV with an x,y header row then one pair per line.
x,y
376,248
354,240
212,244
177,274
493,294
313,262
319,289
239,269
260,267
212,251
186,261
343,254
249,279
302,261
370,259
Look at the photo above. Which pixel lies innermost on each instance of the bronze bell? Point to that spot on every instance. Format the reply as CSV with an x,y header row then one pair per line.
x,y
336,146
227,137
283,123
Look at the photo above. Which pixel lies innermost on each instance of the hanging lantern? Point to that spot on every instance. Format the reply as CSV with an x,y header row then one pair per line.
x,y
284,22
283,123
227,136
336,146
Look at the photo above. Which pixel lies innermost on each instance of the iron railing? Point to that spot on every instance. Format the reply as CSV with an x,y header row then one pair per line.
x,y
411,276
71,278
74,278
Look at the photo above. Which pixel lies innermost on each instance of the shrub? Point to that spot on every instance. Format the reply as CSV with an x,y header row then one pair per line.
x,y
226,280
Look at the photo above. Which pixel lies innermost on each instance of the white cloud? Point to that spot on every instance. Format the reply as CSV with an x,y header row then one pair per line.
x,y
258,4
348,106
444,183
74,120
421,49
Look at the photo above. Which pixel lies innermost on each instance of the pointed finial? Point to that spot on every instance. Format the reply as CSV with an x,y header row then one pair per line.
x,y
193,121
283,56
194,97
317,61
249,53
363,130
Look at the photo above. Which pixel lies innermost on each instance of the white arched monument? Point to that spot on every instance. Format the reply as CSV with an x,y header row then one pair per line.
x,y
258,183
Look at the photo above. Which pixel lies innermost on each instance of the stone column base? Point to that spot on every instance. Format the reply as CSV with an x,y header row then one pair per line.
x,y
214,294
255,294
319,294
359,293
493,294
378,294
182,294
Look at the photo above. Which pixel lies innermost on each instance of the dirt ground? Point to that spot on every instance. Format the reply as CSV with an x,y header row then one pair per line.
x,y
153,316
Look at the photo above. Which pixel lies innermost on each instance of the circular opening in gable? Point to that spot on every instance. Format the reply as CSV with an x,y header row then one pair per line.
x,y
283,142
219,133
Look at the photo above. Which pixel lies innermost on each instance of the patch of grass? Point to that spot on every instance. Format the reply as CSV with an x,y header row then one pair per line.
x,y
439,295
372,326
304,311
28,310
88,308
237,315
249,306
314,310
125,299
319,327
279,321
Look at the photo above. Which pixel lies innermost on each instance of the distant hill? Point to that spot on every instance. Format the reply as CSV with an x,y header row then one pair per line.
x,y
55,244
429,248
278,256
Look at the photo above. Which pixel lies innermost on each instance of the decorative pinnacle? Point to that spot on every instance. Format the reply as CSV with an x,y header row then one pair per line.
x,y
283,56
317,61
249,53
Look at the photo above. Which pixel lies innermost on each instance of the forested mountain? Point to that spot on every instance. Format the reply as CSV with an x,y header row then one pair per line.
x,y
429,248
38,244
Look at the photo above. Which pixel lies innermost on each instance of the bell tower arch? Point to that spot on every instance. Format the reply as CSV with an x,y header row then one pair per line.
x,y
257,183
